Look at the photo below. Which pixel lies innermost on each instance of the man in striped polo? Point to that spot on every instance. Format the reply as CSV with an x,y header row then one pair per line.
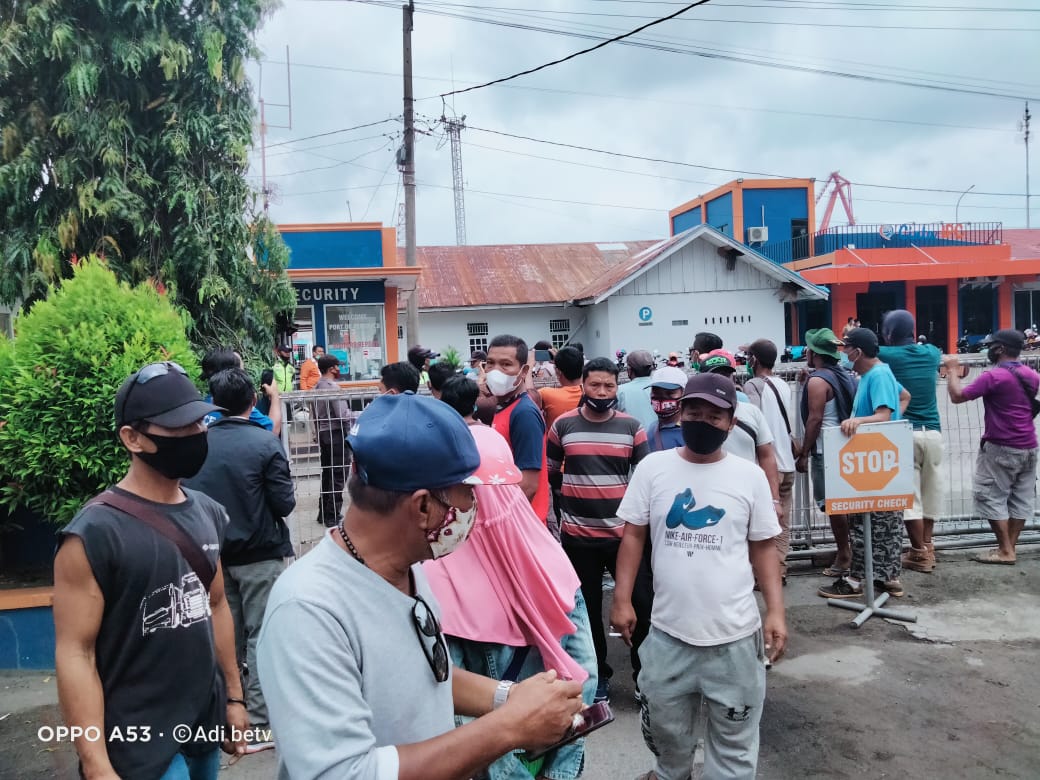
x,y
591,452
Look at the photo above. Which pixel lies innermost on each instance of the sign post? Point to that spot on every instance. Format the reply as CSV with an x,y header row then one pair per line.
x,y
871,472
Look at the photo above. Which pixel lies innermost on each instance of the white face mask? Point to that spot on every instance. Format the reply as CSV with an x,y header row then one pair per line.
x,y
455,531
500,383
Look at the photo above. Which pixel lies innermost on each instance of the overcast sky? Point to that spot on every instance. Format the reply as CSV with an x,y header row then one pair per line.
x,y
346,71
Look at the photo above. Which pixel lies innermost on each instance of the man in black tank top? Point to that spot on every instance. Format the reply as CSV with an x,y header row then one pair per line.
x,y
827,382
145,656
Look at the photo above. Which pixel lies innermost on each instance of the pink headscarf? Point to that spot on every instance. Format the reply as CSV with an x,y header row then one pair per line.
x,y
510,583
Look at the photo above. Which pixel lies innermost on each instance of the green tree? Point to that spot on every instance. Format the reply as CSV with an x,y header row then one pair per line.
x,y
58,382
124,131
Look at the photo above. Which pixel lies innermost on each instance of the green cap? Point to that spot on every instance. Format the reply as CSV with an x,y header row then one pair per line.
x,y
822,341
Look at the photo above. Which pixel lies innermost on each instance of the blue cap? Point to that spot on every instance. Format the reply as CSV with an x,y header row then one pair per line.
x,y
410,442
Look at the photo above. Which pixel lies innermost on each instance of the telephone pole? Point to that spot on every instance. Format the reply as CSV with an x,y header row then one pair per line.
x,y
1025,136
407,160
454,128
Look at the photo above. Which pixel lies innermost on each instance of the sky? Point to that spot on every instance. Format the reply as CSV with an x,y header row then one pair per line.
x,y
346,61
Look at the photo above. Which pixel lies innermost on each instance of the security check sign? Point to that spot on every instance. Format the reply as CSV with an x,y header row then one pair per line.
x,y
871,472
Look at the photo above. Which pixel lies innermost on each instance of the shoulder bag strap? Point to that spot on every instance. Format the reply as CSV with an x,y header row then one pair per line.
x,y
748,430
780,403
163,526
1030,396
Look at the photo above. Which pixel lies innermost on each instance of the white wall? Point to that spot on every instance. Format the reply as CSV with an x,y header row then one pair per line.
x,y
441,329
694,285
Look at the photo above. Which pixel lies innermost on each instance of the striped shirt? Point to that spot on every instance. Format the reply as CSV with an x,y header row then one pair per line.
x,y
597,459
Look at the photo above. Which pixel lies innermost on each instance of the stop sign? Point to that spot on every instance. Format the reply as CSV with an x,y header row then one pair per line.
x,y
869,461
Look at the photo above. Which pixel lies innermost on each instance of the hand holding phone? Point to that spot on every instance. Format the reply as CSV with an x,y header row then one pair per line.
x,y
592,718
542,709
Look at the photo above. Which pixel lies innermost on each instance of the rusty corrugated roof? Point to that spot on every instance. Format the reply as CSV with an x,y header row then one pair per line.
x,y
1025,244
513,274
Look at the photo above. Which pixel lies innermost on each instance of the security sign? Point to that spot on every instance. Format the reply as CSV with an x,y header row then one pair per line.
x,y
871,472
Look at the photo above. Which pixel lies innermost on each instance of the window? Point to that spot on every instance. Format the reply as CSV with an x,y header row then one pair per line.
x,y
354,334
478,336
400,332
559,332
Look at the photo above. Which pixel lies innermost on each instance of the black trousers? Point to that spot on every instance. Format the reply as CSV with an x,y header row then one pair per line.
x,y
643,603
590,558
335,462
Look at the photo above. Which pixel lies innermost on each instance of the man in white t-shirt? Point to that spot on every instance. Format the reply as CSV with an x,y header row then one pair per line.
x,y
751,438
711,519
773,396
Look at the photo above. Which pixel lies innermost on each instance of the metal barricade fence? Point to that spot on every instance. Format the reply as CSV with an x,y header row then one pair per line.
x,y
962,427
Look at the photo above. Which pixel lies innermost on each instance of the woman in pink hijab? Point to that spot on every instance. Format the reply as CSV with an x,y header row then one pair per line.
x,y
511,603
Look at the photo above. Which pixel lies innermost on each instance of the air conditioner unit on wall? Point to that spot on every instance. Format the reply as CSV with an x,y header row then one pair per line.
x,y
757,235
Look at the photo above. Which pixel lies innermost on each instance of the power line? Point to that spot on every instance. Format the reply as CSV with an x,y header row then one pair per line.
x,y
611,169
699,19
716,168
709,46
719,55
645,99
600,45
334,132
830,5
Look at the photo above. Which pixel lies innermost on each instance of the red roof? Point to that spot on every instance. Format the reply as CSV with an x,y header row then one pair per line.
x,y
515,274
1025,244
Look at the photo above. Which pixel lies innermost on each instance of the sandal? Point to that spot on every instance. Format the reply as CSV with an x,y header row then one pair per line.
x,y
830,571
991,557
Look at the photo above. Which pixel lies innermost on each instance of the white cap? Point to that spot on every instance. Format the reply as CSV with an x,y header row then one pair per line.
x,y
669,378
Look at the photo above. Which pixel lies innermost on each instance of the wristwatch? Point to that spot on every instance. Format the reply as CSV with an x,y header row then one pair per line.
x,y
501,693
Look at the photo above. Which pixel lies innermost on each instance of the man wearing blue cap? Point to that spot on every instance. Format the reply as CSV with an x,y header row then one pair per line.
x,y
352,661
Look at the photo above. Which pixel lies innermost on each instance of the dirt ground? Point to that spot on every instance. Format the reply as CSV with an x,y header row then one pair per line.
x,y
956,695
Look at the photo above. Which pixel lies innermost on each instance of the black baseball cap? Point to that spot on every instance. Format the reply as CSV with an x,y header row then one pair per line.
x,y
161,394
418,355
714,388
1009,337
864,339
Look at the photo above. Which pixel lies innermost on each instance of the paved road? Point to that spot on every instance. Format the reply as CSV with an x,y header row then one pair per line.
x,y
954,696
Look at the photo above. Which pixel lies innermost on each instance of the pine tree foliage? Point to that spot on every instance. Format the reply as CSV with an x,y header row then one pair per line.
x,y
124,131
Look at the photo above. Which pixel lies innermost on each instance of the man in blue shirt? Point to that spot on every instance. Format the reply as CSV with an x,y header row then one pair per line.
x,y
916,367
224,358
633,397
879,398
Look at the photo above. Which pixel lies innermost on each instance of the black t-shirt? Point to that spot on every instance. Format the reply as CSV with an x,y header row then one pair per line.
x,y
154,651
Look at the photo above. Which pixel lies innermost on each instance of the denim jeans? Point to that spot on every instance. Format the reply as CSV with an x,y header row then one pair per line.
x,y
492,660
203,767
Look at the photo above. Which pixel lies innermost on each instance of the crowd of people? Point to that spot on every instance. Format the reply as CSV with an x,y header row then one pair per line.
x,y
449,624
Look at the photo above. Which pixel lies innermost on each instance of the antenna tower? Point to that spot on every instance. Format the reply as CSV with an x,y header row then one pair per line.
x,y
454,128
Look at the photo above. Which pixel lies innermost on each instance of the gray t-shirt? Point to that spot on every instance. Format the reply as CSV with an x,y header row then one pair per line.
x,y
342,670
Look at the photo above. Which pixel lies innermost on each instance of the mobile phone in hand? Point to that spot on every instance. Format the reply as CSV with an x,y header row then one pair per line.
x,y
542,356
596,716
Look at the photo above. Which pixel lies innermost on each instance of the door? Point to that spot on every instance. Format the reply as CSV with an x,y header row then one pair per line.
x,y
931,316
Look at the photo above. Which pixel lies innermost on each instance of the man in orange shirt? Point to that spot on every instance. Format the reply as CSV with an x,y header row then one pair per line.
x,y
309,371
557,400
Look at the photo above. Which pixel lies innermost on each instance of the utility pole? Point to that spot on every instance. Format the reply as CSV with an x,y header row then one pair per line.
x,y
265,190
454,128
1025,136
408,171
263,155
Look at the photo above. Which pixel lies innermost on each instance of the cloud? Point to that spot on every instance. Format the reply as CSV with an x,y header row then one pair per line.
x,y
649,103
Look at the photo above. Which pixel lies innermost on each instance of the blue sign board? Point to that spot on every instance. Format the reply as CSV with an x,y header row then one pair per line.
x,y
646,314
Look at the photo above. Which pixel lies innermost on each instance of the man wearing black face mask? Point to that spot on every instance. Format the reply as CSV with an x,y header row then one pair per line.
x,y
140,645
591,452
712,521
